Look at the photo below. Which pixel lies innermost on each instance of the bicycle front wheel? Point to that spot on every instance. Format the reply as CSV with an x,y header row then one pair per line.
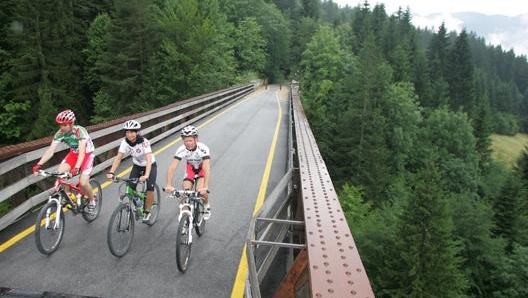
x,y
198,217
156,203
98,194
120,230
183,243
48,228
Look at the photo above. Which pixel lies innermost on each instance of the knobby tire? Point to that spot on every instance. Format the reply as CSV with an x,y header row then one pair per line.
x,y
98,192
120,230
156,204
48,239
183,247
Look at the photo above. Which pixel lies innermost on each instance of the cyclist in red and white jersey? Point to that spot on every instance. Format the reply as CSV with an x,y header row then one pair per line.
x,y
79,159
144,167
198,162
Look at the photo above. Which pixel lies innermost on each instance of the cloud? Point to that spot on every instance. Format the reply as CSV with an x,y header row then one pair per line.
x,y
508,32
433,22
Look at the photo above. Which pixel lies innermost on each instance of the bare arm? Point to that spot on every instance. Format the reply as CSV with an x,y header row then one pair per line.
x,y
148,168
48,154
82,153
170,174
206,166
115,165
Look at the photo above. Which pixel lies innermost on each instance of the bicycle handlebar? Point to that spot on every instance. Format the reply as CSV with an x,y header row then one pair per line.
x,y
64,175
178,192
116,179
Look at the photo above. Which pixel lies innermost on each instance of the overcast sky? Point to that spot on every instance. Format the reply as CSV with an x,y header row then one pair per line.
x,y
425,7
443,8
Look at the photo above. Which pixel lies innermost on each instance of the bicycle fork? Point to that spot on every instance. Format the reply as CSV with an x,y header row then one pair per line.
x,y
186,208
57,215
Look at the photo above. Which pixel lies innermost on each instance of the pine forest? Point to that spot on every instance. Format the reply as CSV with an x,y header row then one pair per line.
x,y
403,116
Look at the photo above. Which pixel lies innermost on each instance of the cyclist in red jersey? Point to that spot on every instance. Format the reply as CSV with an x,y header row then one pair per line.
x,y
79,159
198,160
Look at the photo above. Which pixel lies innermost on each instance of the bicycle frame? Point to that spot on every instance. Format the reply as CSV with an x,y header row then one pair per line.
x,y
59,195
190,219
129,192
62,195
189,205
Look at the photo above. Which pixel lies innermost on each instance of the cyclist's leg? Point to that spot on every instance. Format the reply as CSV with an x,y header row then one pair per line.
x,y
151,182
200,184
188,179
66,165
84,179
135,173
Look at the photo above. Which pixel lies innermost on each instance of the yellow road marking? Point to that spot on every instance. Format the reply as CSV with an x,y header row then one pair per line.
x,y
239,284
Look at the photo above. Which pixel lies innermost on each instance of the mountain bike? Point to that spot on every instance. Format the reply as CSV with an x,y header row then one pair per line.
x,y
49,226
190,218
130,209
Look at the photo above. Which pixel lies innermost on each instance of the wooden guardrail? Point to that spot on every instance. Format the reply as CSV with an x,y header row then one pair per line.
x,y
23,190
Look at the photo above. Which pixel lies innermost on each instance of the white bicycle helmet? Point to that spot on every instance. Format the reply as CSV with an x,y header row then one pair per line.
x,y
65,117
131,125
189,131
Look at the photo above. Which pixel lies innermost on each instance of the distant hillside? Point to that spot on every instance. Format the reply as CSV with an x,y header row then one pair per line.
x,y
509,32
507,148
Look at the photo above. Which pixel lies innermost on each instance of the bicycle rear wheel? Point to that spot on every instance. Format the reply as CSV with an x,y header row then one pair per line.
x,y
198,217
48,229
120,230
156,203
98,193
183,244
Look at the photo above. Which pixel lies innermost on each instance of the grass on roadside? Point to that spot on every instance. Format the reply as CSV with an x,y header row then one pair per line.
x,y
508,148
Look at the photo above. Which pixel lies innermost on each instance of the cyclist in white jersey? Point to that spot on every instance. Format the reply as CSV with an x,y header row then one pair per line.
x,y
79,159
144,161
198,160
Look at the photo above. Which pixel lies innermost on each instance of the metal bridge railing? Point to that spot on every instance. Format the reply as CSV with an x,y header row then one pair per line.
x,y
272,228
303,214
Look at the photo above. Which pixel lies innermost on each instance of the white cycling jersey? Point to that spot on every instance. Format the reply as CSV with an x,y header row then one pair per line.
x,y
193,157
137,151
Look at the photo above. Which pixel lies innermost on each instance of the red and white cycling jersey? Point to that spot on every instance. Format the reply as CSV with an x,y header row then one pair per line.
x,y
137,151
73,137
193,157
